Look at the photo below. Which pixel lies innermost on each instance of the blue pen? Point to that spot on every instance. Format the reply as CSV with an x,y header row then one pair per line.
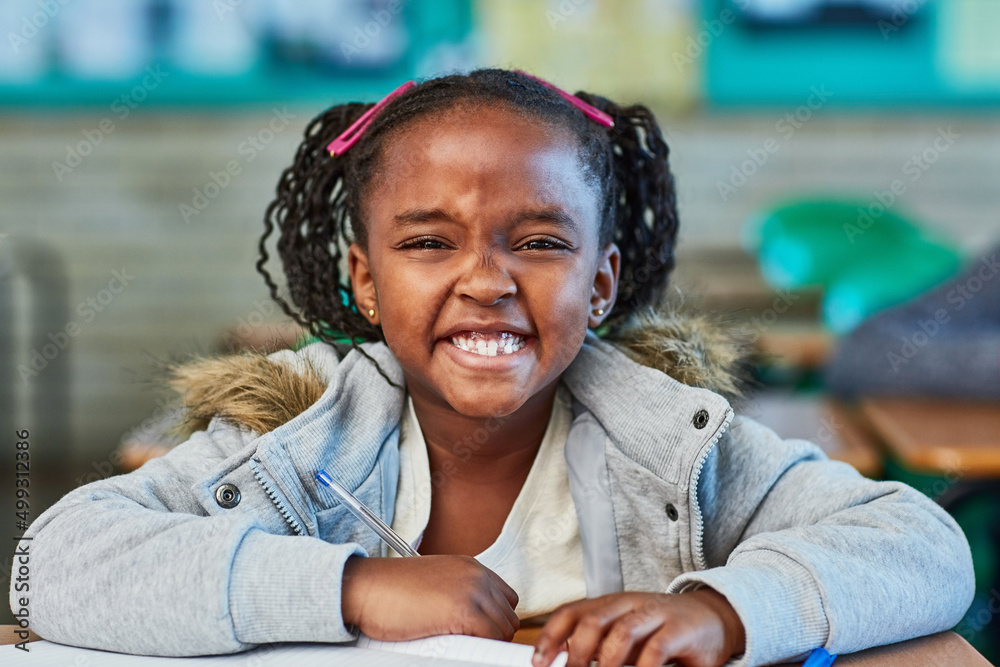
x,y
366,516
819,658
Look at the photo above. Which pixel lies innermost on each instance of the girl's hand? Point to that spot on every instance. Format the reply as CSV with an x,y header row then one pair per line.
x,y
696,629
396,599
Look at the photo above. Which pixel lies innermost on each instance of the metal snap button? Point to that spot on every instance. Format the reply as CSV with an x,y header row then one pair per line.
x,y
700,419
228,496
671,512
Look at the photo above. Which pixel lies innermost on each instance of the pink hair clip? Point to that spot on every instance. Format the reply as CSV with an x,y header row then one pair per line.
x,y
350,136
589,110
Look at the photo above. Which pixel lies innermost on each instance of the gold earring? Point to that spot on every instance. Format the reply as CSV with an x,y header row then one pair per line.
x,y
599,312
371,312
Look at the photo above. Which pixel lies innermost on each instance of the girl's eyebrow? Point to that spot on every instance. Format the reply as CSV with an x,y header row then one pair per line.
x,y
418,216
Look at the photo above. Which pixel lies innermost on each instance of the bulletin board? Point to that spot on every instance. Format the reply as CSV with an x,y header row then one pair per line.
x,y
355,49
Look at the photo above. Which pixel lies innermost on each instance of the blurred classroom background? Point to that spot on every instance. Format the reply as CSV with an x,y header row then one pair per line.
x,y
836,161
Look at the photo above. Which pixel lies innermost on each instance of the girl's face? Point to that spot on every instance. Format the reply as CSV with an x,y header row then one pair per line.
x,y
483,264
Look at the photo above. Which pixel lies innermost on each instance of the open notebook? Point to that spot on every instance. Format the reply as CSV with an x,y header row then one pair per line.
x,y
365,652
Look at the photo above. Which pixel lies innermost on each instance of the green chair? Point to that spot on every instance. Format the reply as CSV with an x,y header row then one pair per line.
x,y
865,257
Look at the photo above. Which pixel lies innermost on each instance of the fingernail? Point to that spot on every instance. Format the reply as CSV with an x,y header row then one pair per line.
x,y
536,658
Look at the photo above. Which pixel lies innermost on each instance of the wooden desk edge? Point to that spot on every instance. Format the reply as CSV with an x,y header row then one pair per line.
x,y
8,635
930,460
859,445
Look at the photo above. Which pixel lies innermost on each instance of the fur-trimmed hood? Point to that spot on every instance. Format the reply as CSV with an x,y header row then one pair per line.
x,y
261,393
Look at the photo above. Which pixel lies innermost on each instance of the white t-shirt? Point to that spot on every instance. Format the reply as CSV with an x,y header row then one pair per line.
x,y
538,551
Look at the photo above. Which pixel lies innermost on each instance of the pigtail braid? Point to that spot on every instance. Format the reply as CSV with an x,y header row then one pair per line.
x,y
310,216
644,206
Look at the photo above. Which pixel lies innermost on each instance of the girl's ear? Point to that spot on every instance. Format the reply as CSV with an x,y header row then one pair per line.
x,y
362,283
602,296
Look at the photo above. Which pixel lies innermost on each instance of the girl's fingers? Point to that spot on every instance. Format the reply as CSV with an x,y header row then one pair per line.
x,y
491,623
583,624
661,646
555,632
587,636
624,634
508,620
510,612
505,588
494,610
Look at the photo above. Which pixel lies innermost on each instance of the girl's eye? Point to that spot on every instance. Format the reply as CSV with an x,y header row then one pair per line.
x,y
424,243
543,244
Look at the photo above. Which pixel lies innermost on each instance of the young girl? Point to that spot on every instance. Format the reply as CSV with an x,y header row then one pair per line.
x,y
487,223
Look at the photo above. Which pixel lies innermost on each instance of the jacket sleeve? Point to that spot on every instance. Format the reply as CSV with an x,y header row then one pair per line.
x,y
135,564
810,553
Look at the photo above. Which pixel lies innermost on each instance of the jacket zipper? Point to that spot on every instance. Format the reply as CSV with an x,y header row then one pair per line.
x,y
699,537
280,506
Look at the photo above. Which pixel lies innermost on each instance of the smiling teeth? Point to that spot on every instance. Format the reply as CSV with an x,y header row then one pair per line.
x,y
488,345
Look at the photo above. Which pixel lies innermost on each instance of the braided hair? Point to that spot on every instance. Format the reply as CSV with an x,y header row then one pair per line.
x,y
318,211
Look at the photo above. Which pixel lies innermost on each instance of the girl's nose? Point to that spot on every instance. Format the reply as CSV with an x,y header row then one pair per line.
x,y
485,280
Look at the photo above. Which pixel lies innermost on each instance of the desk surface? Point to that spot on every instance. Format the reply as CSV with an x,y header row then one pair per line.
x,y
959,437
806,347
945,648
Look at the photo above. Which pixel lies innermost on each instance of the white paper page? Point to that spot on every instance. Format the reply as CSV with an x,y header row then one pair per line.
x,y
49,654
461,647
415,653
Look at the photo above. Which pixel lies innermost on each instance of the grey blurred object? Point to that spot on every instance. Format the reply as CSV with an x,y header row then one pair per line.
x,y
162,431
944,343
154,437
35,352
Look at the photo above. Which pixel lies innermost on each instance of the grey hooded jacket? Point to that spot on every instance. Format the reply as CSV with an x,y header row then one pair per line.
x,y
672,492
